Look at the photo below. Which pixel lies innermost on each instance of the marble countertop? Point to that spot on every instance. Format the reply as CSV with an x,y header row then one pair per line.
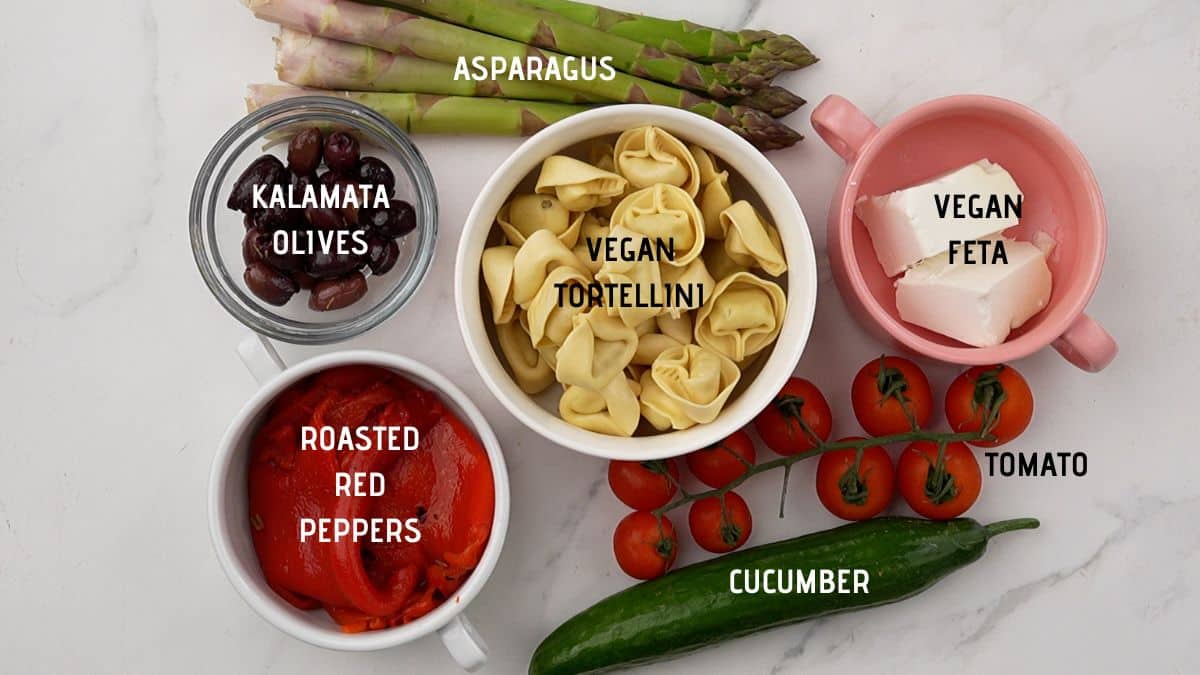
x,y
119,373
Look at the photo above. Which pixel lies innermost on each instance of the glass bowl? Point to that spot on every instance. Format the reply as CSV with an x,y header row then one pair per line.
x,y
217,232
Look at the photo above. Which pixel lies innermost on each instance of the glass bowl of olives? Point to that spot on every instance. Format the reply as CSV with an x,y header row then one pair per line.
x,y
313,220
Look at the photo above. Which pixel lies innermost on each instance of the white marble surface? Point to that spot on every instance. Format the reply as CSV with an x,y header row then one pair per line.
x,y
119,374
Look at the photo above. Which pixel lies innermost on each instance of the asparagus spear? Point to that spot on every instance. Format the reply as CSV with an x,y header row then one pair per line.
x,y
309,61
432,114
402,33
547,30
684,38
773,100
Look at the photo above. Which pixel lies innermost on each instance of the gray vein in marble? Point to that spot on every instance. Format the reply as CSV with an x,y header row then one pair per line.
x,y
1013,599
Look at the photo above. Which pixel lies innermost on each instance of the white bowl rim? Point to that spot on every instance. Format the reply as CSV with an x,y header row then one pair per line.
x,y
754,168
274,608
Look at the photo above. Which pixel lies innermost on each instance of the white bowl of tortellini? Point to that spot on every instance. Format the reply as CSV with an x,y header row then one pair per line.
x,y
635,282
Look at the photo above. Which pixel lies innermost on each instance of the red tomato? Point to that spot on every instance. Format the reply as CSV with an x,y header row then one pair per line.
x,y
856,493
884,390
719,465
779,423
644,547
939,491
999,389
719,532
643,485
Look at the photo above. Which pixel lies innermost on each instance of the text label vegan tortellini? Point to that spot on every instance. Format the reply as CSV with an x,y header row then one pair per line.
x,y
637,280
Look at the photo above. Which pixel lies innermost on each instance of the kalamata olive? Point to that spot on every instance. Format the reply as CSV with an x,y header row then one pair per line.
x,y
248,221
304,151
375,171
382,255
266,170
330,264
274,218
254,244
326,178
303,279
332,294
395,221
270,285
324,219
349,211
285,261
341,153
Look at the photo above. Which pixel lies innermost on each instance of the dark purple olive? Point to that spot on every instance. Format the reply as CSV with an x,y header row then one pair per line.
x,y
324,219
341,153
395,221
349,211
332,294
375,171
382,255
270,285
303,279
330,264
254,245
266,170
274,218
304,151
326,178
248,221
285,260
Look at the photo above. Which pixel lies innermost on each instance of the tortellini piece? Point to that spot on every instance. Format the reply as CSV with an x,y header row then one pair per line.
x,y
578,185
533,375
668,214
696,277
592,231
596,350
613,410
750,240
648,156
687,385
743,316
537,257
651,345
715,195
523,215
643,275
719,264
496,266
678,327
548,321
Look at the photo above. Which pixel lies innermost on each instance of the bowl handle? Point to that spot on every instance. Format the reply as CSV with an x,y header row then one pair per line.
x,y
259,357
463,642
843,126
1087,345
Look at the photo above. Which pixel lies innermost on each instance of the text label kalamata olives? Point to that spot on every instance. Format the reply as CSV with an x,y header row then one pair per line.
x,y
375,171
337,293
266,170
341,153
270,285
304,151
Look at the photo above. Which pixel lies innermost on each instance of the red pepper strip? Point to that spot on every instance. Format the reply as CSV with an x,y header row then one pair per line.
x,y
349,571
463,501
353,621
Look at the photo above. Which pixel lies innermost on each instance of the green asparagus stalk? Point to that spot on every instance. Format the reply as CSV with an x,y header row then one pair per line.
x,y
547,30
432,114
403,33
684,38
773,100
310,61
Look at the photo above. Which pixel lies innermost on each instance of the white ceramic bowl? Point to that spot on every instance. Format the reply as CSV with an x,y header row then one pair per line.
x,y
731,151
230,524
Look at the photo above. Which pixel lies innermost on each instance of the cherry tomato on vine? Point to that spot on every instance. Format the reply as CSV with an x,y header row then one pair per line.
x,y
643,485
779,423
855,488
890,395
719,465
993,395
644,548
717,529
939,491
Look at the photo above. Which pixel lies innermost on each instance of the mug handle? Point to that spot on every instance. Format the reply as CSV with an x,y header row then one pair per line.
x,y
842,126
259,357
463,642
1087,345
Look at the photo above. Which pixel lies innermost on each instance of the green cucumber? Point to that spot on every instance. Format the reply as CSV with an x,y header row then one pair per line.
x,y
693,607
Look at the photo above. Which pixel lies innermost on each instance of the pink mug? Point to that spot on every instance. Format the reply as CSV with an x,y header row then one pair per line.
x,y
1061,198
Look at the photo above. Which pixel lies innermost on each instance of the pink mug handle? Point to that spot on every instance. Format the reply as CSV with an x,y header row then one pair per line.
x,y
843,126
1087,345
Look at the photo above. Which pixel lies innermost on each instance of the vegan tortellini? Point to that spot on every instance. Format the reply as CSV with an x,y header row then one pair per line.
x,y
580,272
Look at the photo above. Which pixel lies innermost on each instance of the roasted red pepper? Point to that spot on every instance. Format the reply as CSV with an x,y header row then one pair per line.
x,y
445,486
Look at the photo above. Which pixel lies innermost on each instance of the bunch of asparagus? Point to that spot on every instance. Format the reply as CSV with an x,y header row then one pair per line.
x,y
399,56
